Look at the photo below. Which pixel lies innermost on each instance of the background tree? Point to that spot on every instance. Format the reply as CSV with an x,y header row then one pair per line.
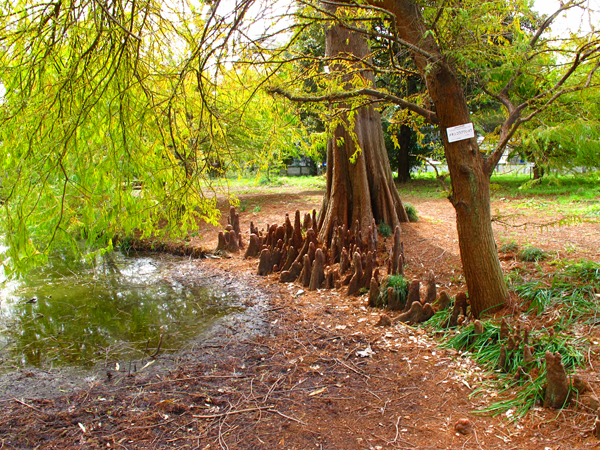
x,y
565,137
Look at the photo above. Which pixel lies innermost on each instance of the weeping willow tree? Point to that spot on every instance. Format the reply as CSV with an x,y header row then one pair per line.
x,y
114,115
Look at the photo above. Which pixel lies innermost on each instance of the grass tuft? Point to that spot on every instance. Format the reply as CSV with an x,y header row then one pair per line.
x,y
400,286
385,230
509,247
571,288
571,292
411,211
531,254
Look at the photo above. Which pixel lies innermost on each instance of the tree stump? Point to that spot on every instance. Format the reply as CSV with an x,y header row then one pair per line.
x,y
291,257
344,262
318,271
414,294
253,247
528,358
417,313
393,300
232,241
443,302
373,293
504,329
461,303
367,271
557,390
264,264
297,239
306,271
502,360
307,222
222,243
396,251
289,230
431,293
234,221
353,286
289,276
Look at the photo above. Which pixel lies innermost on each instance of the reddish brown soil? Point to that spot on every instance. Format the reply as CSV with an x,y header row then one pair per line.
x,y
319,374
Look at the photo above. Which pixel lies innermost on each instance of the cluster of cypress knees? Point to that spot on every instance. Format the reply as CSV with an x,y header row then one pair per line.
x,y
351,262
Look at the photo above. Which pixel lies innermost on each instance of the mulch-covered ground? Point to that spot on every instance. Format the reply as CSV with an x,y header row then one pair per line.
x,y
306,369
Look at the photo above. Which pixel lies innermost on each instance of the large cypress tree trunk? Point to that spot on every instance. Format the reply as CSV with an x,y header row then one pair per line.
x,y
360,185
470,176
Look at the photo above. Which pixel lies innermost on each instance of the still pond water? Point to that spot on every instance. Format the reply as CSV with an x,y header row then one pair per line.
x,y
73,315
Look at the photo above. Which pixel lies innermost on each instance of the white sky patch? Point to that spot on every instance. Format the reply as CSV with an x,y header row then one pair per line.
x,y
578,20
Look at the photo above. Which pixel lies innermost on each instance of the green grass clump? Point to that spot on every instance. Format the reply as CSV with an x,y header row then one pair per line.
x,y
572,291
517,393
531,254
411,211
582,271
509,247
400,286
385,230
571,288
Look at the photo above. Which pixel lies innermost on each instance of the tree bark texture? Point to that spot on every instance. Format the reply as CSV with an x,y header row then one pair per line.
x,y
360,185
404,154
470,180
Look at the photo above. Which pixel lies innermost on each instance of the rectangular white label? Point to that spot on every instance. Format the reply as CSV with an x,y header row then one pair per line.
x,y
460,132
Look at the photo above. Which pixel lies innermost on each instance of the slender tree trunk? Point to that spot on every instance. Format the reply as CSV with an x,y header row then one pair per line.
x,y
470,177
360,185
404,154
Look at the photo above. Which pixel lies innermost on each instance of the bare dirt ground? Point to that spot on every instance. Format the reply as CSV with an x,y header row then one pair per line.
x,y
312,370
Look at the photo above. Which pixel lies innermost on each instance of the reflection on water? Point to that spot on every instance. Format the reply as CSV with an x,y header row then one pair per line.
x,y
77,316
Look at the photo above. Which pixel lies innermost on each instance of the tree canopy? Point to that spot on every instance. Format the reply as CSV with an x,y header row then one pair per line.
x,y
103,97
115,114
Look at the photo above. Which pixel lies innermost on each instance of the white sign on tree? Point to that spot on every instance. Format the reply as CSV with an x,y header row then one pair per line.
x,y
460,132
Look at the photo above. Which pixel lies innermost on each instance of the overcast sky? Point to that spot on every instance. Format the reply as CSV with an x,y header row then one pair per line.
x,y
574,19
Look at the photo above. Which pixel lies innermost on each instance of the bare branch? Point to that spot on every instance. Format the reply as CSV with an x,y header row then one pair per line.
x,y
430,116
550,19
392,38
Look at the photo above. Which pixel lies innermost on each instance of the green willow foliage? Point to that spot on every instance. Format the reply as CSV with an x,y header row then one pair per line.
x,y
112,121
567,135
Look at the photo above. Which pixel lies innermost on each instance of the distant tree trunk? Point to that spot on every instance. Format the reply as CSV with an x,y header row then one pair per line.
x,y
469,173
404,154
538,172
363,189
